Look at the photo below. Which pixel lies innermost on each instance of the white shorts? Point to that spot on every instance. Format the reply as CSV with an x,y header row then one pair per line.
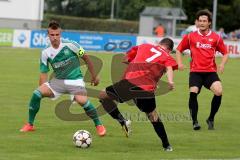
x,y
66,86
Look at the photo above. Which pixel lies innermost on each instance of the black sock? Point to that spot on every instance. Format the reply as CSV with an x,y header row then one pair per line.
x,y
111,108
161,132
216,102
193,106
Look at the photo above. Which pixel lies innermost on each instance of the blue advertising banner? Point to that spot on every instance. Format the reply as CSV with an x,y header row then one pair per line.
x,y
38,39
89,41
72,36
107,42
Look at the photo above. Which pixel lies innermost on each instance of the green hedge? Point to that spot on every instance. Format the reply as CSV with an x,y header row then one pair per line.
x,y
92,24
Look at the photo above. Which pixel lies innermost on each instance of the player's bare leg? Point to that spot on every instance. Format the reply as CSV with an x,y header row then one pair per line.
x,y
216,88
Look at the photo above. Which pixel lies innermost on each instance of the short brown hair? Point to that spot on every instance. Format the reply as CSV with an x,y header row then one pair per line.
x,y
168,43
204,12
53,25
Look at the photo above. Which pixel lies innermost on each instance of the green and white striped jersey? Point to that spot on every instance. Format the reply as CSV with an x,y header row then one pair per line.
x,y
64,60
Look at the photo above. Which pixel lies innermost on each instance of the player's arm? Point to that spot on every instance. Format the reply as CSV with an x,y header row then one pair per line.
x,y
169,73
184,44
44,69
130,55
170,65
125,60
223,62
43,78
222,49
179,60
95,79
82,54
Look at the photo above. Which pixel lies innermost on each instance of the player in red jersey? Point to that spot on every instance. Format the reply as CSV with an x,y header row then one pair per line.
x,y
147,64
203,45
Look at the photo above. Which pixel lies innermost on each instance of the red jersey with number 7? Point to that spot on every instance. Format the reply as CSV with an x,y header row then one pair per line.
x,y
203,49
147,64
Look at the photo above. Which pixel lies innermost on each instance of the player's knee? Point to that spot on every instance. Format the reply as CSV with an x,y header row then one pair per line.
x,y
218,92
194,89
216,88
81,101
153,116
37,94
103,95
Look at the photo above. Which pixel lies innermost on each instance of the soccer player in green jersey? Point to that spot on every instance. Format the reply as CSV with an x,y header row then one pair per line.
x,y
63,56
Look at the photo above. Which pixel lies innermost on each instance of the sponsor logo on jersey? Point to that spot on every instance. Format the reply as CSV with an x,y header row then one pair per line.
x,y
66,52
203,45
62,63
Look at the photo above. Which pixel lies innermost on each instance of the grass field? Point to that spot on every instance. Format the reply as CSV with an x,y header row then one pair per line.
x,y
53,139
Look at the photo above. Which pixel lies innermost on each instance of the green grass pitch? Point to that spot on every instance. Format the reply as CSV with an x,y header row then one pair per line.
x,y
53,138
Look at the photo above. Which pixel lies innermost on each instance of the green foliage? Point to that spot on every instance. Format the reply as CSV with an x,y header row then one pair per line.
x,y
93,24
124,9
227,15
192,6
226,12
131,9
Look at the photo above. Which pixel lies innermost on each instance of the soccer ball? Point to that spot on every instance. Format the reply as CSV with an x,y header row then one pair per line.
x,y
82,139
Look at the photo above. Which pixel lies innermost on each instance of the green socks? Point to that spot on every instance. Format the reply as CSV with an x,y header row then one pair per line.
x,y
34,106
92,112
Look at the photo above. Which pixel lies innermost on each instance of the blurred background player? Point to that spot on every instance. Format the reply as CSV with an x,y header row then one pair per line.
x,y
222,33
159,30
191,28
203,45
63,56
147,64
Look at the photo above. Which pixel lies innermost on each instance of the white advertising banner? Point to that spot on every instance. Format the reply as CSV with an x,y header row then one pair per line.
x,y
21,38
155,40
233,47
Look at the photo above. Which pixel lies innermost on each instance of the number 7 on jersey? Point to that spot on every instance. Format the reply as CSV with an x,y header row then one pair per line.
x,y
156,54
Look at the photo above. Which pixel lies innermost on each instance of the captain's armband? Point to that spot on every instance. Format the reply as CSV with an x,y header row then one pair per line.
x,y
81,52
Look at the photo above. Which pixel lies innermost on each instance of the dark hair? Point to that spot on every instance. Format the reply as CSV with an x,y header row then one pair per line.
x,y
53,25
204,12
168,43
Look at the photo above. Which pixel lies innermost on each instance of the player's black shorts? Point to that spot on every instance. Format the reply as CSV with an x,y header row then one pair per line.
x,y
200,79
123,91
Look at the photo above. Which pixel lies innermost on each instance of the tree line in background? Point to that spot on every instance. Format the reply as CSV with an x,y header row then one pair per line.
x,y
227,10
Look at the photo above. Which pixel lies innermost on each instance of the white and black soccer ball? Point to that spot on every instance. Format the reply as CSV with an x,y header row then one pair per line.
x,y
82,139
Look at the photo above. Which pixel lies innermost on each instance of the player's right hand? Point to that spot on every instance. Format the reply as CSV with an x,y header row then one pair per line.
x,y
181,67
95,81
221,68
170,85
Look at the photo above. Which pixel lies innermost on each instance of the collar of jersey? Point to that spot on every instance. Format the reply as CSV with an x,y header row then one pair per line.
x,y
59,47
204,35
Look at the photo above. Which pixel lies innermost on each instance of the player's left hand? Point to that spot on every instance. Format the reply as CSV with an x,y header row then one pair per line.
x,y
170,85
95,81
221,68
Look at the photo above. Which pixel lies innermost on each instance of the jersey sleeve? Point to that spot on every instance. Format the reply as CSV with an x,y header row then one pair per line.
x,y
170,62
44,67
221,46
131,54
184,44
75,47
